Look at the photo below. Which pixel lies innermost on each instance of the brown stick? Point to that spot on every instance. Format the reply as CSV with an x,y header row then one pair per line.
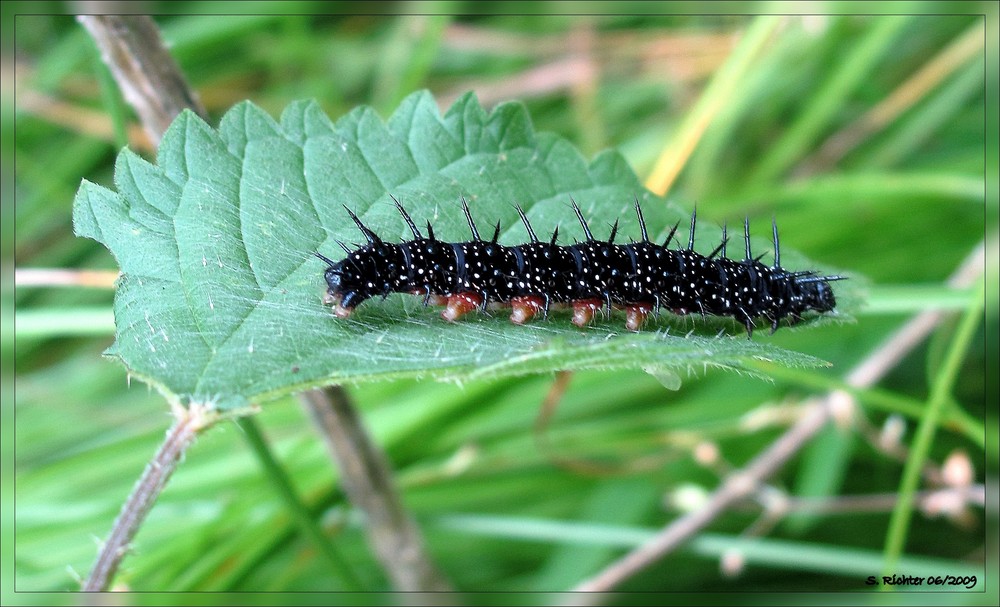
x,y
150,80
58,277
735,488
148,76
190,421
153,84
393,535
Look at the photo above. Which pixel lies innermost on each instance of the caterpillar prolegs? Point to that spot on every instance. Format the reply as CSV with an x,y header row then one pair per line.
x,y
641,277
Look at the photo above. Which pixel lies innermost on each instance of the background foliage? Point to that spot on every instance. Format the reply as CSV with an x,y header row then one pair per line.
x,y
902,205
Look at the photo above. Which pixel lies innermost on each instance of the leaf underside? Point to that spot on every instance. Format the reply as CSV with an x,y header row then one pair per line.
x,y
220,295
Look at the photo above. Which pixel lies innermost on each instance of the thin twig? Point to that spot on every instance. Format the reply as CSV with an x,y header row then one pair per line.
x,y
551,401
58,277
945,501
147,74
735,488
74,116
190,422
742,483
910,335
366,476
156,88
682,58
928,499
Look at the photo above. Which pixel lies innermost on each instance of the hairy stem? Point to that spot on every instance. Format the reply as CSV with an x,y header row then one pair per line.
x,y
152,83
190,422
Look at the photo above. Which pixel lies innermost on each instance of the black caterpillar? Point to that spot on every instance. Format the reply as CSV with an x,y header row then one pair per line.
x,y
640,277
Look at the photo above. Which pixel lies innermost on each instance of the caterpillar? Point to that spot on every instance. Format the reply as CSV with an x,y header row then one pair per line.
x,y
641,277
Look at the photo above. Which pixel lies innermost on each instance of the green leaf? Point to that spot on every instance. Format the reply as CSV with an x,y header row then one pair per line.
x,y
220,295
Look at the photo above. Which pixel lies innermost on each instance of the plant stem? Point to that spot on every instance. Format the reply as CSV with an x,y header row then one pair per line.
x,y
392,534
147,74
735,488
190,422
153,84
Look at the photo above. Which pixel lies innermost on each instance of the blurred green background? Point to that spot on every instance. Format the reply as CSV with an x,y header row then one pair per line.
x,y
864,135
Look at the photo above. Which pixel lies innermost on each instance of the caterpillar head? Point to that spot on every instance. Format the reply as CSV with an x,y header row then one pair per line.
x,y
817,294
346,282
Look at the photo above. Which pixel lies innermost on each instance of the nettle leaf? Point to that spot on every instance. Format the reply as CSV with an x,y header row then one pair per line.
x,y
219,300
